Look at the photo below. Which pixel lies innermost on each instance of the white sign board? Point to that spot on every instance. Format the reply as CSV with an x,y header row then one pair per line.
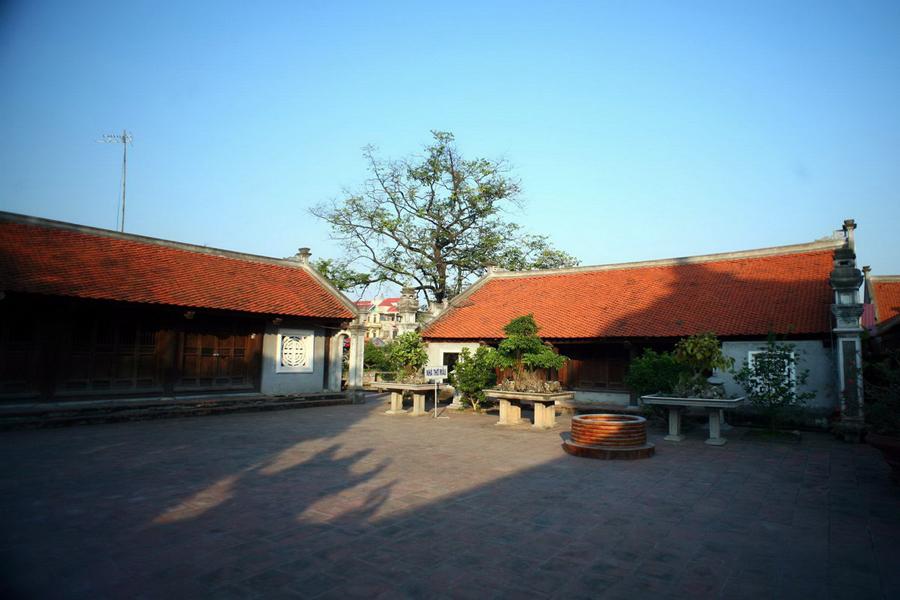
x,y
436,373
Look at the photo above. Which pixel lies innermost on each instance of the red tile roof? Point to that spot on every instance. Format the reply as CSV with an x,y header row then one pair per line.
x,y
390,303
58,259
749,293
887,296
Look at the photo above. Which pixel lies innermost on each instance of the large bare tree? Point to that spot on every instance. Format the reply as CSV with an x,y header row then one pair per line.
x,y
433,221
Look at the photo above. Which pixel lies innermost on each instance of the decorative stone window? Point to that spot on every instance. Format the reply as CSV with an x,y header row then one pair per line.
x,y
789,366
295,351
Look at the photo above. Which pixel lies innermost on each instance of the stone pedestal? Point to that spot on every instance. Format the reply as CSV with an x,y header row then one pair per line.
x,y
544,406
418,390
715,428
675,434
713,406
510,413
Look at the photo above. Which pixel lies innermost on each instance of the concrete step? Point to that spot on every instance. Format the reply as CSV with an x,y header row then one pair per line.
x,y
63,414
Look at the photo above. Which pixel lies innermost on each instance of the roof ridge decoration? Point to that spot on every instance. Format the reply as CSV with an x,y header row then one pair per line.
x,y
824,244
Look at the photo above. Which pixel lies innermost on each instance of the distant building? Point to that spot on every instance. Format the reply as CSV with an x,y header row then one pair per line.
x,y
381,318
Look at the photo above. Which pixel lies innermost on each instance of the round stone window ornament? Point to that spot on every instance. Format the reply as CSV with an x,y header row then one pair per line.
x,y
293,351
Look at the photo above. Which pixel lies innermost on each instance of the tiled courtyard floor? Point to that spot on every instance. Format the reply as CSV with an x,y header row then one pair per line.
x,y
346,502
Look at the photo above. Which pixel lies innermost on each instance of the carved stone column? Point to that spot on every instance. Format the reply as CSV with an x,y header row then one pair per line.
x,y
407,308
357,355
845,280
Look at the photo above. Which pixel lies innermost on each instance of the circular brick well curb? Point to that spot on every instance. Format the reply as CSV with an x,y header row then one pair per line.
x,y
609,437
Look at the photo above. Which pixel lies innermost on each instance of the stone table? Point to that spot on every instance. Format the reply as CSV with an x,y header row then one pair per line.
x,y
544,406
419,391
712,405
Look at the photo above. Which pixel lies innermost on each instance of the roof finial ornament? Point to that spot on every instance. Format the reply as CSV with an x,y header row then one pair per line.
x,y
849,226
303,255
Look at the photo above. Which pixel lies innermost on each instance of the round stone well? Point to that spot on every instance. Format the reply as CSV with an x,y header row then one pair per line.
x,y
609,437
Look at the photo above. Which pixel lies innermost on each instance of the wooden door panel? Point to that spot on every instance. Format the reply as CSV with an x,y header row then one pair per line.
x,y
102,354
214,360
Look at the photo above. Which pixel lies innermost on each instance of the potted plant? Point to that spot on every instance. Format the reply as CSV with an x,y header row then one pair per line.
x,y
524,353
407,356
701,355
882,389
773,383
697,357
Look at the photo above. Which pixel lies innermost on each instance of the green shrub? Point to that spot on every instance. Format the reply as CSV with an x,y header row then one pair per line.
x,y
377,358
473,374
772,380
655,373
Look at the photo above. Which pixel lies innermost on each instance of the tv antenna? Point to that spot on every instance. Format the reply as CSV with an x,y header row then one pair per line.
x,y
124,139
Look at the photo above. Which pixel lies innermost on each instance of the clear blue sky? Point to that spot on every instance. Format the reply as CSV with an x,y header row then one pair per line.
x,y
640,130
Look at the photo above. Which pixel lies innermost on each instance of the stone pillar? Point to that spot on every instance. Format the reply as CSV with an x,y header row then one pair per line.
x,y
407,308
544,415
675,434
357,354
336,365
845,280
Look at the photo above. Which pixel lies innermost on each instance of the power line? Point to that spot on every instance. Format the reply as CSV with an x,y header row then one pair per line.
x,y
124,139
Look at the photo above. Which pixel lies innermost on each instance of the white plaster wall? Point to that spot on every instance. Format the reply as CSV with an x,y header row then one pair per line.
x,y
603,398
813,356
292,383
435,350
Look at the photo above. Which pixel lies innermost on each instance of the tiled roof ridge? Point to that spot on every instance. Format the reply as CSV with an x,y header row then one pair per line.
x,y
142,239
818,245
216,253
651,274
883,278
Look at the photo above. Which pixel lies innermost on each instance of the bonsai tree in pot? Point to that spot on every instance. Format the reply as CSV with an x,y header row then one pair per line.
x,y
772,381
882,390
524,352
408,356
700,354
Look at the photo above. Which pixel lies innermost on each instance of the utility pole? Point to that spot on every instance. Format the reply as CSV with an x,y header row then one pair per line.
x,y
124,139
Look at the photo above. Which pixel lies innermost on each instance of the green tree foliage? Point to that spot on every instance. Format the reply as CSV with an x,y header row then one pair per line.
x,y
523,351
377,358
341,275
473,374
408,354
772,380
433,221
655,372
702,353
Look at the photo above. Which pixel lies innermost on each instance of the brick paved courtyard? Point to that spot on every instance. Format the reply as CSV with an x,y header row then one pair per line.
x,y
346,502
